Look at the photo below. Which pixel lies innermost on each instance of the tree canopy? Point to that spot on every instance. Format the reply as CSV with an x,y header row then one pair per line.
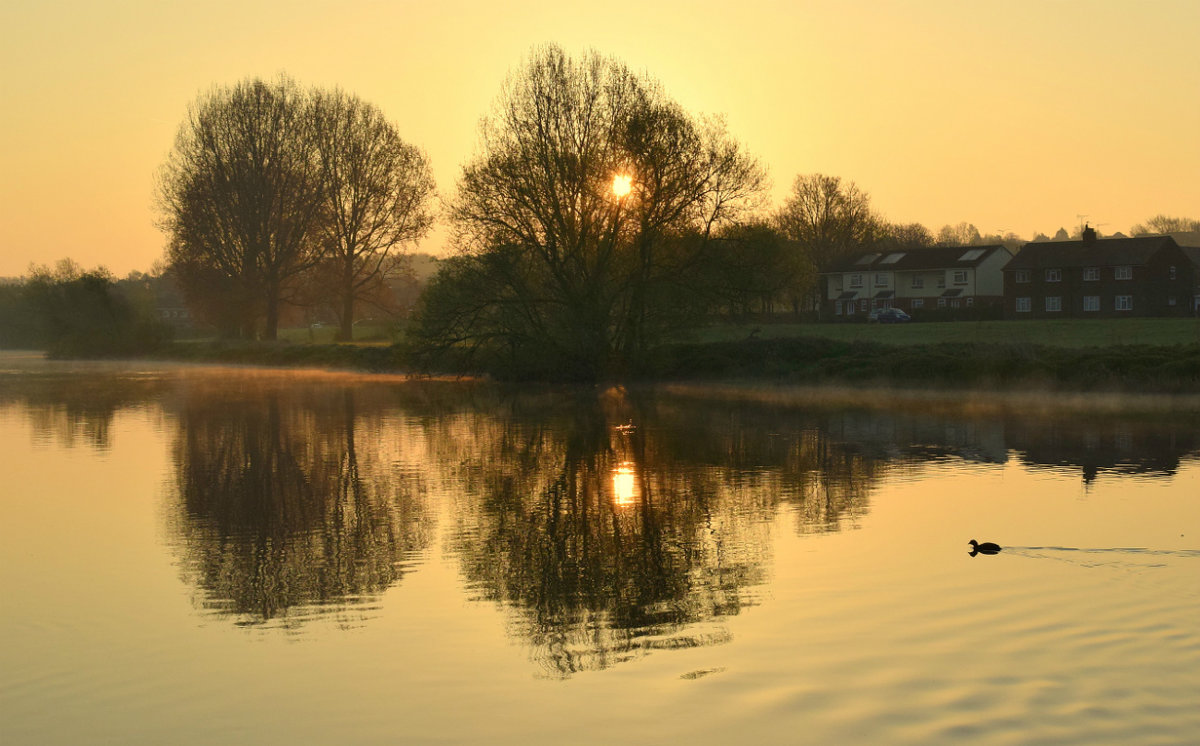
x,y
557,270
268,182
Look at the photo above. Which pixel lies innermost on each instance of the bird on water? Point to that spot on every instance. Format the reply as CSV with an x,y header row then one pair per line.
x,y
986,547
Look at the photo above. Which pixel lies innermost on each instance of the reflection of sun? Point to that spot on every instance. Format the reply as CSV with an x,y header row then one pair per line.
x,y
622,185
624,486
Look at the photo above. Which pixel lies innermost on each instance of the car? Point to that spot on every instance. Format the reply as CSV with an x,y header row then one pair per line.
x,y
892,316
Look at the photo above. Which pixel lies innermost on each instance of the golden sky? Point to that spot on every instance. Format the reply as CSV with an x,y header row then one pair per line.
x,y
1014,116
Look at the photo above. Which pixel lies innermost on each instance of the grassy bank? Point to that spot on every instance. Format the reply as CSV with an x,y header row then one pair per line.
x,y
970,355
972,365
366,357
1052,333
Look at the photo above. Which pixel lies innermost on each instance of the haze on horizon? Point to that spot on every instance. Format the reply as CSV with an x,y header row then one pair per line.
x,y
1014,116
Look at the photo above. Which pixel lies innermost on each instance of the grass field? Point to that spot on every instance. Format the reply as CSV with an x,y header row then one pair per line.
x,y
323,335
1055,333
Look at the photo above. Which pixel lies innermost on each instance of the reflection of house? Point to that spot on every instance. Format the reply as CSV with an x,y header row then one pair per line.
x,y
1099,277
935,278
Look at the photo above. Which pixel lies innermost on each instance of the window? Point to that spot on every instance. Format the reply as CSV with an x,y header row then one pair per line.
x,y
955,303
1170,300
1021,275
837,308
1091,303
972,255
855,281
1124,303
1054,275
942,281
862,305
1171,272
918,303
1091,273
970,302
1024,305
881,279
960,277
893,258
1122,273
918,281
1053,303
941,302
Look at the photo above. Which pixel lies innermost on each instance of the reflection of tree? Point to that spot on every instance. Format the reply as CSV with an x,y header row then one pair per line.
x,y
594,575
283,506
616,527
71,406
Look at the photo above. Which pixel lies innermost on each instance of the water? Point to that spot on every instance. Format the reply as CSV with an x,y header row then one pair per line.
x,y
205,554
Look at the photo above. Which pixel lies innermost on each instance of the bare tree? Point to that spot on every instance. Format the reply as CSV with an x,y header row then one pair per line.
x,y
377,192
1164,224
586,274
904,236
963,234
240,201
827,218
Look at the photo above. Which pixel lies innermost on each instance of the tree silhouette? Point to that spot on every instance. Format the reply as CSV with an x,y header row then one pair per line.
x,y
566,275
241,202
377,192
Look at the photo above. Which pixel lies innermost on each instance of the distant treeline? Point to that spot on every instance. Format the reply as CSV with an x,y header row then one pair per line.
x,y
72,312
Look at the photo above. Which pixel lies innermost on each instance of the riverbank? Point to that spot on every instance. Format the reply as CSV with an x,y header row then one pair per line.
x,y
975,366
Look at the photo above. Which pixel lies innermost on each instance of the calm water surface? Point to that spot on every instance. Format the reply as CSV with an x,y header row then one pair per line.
x,y
211,555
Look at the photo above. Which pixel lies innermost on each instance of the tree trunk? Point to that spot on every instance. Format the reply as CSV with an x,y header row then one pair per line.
x,y
271,328
346,333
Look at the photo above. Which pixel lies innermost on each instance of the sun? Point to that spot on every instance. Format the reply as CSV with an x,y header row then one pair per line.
x,y
622,185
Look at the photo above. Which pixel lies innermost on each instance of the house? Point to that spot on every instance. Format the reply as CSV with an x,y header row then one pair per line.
x,y
1099,278
942,277
1193,254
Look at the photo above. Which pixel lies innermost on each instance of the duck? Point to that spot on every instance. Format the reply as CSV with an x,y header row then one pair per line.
x,y
986,547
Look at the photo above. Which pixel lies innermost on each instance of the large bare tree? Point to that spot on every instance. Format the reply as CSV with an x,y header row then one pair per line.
x,y
377,192
827,218
579,276
240,200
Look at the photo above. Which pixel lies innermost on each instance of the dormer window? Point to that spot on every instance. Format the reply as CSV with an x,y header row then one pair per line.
x,y
1053,275
856,281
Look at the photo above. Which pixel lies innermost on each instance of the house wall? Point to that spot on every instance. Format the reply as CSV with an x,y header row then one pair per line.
x,y
991,273
1151,289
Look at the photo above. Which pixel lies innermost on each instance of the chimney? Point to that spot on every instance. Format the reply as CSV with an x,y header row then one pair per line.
x,y
1089,234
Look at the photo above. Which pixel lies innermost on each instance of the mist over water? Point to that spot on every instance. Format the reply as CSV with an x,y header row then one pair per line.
x,y
360,559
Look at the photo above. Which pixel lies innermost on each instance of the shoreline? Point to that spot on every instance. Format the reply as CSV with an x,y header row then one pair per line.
x,y
985,397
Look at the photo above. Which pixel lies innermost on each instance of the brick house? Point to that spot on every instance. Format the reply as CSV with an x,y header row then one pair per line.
x,y
1099,278
1193,253
942,277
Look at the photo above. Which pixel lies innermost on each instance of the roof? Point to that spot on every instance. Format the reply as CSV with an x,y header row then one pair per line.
x,y
937,257
1103,252
1193,253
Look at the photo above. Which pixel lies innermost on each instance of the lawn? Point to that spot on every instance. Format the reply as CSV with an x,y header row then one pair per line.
x,y
1055,333
324,334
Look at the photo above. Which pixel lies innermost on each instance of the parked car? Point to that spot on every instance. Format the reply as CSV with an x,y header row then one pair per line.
x,y
889,316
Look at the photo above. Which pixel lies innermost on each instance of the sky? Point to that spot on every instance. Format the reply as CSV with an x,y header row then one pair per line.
x,y
1014,116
